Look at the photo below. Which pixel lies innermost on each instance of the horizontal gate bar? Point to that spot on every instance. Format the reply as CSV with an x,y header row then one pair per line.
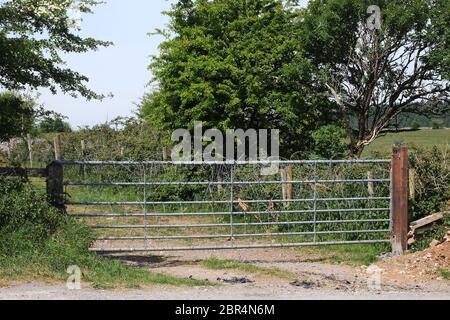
x,y
236,202
249,235
206,225
198,163
206,183
231,247
187,214
212,202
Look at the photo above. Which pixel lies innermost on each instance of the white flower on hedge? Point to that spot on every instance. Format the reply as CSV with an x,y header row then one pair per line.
x,y
53,10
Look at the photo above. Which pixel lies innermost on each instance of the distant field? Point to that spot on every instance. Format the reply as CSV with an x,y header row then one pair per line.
x,y
422,138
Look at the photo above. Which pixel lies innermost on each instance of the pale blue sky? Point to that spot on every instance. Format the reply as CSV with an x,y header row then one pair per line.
x,y
120,69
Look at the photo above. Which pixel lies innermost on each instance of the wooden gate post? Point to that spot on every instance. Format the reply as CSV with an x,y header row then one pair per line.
x,y
55,184
400,194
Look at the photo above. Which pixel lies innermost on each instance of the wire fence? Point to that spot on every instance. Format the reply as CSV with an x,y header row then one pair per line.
x,y
159,206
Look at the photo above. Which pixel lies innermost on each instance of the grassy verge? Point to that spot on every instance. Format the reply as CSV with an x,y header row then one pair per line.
x,y
355,255
217,264
23,258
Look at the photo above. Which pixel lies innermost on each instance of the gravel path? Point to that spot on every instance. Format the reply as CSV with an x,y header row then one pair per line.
x,y
228,292
307,278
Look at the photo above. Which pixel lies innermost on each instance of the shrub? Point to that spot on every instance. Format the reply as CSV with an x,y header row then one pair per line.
x,y
329,143
21,257
37,241
436,125
21,206
415,125
53,124
432,181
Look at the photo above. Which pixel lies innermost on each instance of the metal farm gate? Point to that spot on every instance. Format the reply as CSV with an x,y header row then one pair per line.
x,y
169,206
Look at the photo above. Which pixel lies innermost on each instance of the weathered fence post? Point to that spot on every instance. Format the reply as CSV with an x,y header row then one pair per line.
x,y
286,174
55,184
8,150
399,206
289,177
412,184
30,149
83,149
57,146
283,184
370,186
219,183
83,157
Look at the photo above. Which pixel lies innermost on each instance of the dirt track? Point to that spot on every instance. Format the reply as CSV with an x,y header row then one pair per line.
x,y
307,278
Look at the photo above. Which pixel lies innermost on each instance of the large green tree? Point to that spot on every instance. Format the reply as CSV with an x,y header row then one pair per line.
x,y
374,73
33,35
233,64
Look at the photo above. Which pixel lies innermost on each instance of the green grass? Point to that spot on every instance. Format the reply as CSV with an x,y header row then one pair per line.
x,y
444,273
217,264
356,255
421,138
24,258
113,274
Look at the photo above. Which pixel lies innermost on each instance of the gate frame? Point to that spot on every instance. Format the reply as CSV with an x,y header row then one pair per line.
x,y
399,195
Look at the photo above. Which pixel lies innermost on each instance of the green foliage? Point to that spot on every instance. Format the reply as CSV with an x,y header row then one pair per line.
x,y
444,273
353,254
432,182
120,139
432,186
436,233
36,240
55,124
233,64
33,35
16,116
23,257
20,205
329,142
415,125
436,125
408,119
217,264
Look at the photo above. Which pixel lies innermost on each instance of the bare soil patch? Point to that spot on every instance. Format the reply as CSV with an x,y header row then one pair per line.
x,y
423,265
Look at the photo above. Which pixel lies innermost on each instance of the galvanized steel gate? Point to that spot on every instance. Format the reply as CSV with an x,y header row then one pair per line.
x,y
169,206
